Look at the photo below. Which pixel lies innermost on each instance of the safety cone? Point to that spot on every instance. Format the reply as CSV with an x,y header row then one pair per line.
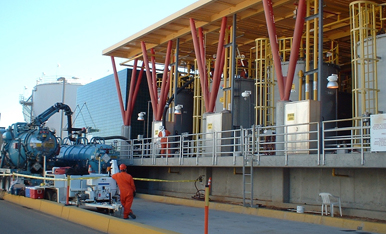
x,y
89,169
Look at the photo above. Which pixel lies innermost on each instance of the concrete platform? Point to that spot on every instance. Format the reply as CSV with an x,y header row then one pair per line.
x,y
158,214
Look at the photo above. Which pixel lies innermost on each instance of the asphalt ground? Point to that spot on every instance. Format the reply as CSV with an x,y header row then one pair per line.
x,y
16,219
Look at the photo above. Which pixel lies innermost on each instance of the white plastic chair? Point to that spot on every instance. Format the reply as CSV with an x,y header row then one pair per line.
x,y
327,201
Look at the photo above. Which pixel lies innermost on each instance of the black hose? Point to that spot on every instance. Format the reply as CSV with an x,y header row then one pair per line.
x,y
111,138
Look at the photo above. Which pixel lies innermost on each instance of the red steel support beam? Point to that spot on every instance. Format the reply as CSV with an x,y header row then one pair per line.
x,y
165,81
153,96
197,50
137,87
300,18
118,89
154,72
268,10
203,59
134,87
129,103
218,68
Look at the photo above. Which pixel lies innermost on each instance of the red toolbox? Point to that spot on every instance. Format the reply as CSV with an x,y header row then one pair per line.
x,y
37,193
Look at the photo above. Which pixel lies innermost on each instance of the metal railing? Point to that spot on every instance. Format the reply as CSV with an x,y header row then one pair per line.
x,y
314,139
347,136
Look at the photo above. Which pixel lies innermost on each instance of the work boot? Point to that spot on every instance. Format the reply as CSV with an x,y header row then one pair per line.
x,y
132,215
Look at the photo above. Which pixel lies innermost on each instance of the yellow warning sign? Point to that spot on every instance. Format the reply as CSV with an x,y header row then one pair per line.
x,y
210,126
291,117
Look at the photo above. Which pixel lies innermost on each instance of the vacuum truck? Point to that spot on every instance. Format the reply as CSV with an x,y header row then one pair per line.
x,y
32,150
26,144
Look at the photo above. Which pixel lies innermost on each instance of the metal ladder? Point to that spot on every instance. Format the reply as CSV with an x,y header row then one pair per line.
x,y
248,160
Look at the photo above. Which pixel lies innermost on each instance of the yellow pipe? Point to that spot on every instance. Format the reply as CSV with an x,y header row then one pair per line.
x,y
236,173
315,84
170,171
301,74
334,174
307,86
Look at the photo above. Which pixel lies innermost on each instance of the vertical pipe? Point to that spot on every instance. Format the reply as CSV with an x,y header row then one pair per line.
x,y
226,74
300,74
176,75
307,82
233,67
320,50
315,80
61,116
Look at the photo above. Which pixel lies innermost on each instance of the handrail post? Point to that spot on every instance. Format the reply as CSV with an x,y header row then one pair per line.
x,y
322,144
362,151
257,144
213,148
153,151
285,146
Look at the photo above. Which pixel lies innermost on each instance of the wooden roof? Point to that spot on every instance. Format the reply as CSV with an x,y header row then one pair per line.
x,y
251,24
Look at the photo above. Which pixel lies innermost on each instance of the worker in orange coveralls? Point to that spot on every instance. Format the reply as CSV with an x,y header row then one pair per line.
x,y
163,133
127,190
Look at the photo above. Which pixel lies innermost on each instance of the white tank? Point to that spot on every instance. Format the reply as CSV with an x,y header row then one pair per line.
x,y
381,67
47,94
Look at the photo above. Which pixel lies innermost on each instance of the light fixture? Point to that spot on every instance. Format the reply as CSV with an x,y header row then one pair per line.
x,y
246,94
177,109
332,81
141,116
61,79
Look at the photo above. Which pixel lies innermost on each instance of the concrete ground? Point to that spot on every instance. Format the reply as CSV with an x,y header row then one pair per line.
x,y
190,220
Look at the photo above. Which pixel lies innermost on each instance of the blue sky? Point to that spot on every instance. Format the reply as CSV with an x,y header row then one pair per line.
x,y
38,35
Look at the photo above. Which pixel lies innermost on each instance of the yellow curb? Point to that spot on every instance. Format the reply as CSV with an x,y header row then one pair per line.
x,y
51,208
117,226
89,219
30,203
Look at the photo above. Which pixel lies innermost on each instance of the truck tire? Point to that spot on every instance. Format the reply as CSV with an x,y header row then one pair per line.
x,y
52,196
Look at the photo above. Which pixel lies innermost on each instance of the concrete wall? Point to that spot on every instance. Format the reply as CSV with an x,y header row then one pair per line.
x,y
358,188
362,189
